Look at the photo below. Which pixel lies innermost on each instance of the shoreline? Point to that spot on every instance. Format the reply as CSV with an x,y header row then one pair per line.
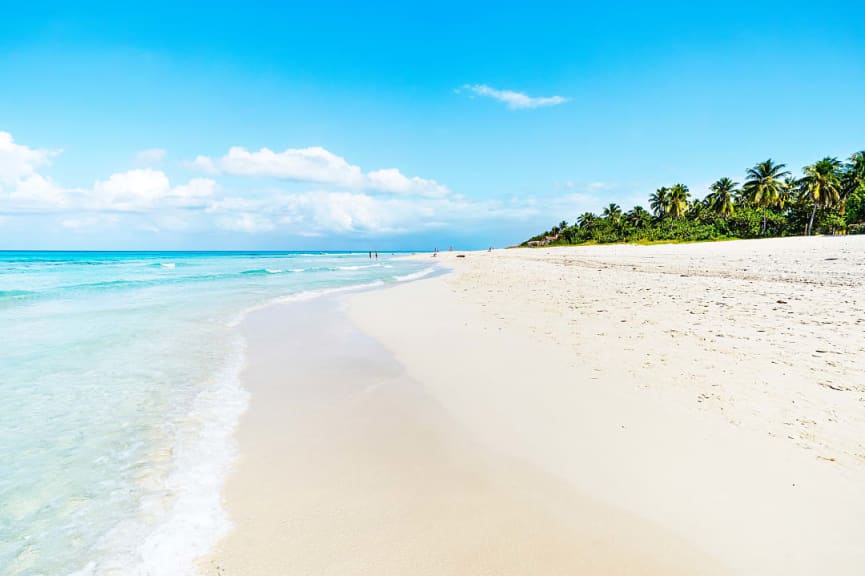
x,y
347,466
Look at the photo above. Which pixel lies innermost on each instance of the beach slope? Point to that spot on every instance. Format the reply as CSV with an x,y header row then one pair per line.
x,y
715,390
348,466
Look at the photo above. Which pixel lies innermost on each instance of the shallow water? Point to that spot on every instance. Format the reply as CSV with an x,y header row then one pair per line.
x,y
119,395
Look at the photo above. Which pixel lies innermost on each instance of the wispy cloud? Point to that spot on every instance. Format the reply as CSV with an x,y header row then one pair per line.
x,y
584,186
514,100
150,157
89,222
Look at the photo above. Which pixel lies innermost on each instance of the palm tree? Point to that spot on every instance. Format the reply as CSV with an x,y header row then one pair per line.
x,y
613,213
822,186
585,220
722,199
659,201
698,209
638,217
678,200
741,198
791,185
763,185
563,224
854,174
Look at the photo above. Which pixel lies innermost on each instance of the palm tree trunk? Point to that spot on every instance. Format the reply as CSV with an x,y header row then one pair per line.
x,y
811,221
765,210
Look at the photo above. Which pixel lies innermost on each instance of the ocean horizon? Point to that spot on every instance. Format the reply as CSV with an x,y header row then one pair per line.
x,y
121,393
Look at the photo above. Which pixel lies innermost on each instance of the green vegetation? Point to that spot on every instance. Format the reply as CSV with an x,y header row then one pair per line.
x,y
829,198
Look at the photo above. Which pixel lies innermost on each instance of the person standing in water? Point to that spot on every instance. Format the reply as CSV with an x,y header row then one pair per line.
x,y
370,254
376,254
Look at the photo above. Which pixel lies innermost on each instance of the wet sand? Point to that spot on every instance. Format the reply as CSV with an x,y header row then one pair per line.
x,y
349,466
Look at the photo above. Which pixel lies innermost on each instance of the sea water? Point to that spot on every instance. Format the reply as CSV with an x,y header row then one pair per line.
x,y
119,394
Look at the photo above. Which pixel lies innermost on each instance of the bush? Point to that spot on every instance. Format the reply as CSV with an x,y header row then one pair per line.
x,y
856,208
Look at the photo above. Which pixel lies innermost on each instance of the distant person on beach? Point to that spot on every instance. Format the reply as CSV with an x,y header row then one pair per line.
x,y
376,254
370,254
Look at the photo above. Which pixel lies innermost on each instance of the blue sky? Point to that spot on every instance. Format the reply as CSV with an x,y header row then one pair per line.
x,y
355,125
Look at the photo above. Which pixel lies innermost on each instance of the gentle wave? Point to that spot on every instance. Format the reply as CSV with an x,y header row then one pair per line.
x,y
202,456
16,293
202,461
166,280
297,270
300,296
119,284
415,275
160,327
264,271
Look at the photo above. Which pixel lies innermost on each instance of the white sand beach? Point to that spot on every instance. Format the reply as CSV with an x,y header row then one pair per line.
x,y
670,409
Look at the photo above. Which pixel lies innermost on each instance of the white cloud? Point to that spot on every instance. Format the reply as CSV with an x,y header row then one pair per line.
x,y
245,222
22,188
203,164
328,212
342,212
515,100
315,165
392,180
196,192
18,162
348,203
138,190
36,192
132,190
89,222
145,188
151,156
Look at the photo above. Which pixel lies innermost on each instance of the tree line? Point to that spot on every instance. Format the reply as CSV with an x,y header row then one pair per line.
x,y
827,198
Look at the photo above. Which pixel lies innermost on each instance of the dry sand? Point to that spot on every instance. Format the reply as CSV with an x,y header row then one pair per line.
x,y
717,390
596,410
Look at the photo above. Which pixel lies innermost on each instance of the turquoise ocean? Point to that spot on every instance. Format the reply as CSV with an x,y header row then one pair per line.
x,y
119,394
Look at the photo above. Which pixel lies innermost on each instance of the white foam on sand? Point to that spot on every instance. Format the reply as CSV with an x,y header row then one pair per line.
x,y
299,296
188,501
415,275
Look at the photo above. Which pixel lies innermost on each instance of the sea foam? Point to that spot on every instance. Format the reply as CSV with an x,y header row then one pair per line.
x,y
415,275
193,519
